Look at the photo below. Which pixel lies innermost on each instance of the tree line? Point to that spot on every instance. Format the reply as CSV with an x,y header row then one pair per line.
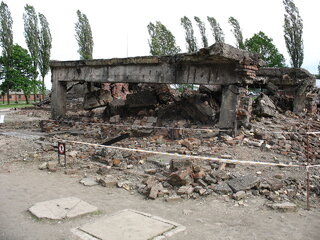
x,y
162,41
20,68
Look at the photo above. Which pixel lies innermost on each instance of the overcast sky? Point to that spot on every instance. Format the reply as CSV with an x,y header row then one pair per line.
x,y
119,27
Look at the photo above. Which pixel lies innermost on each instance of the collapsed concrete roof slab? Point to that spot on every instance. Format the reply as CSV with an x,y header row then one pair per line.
x,y
286,76
217,64
294,82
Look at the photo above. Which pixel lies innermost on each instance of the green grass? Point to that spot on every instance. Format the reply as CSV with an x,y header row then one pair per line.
x,y
14,105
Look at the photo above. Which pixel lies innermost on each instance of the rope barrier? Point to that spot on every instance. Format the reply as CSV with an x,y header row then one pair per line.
x,y
221,160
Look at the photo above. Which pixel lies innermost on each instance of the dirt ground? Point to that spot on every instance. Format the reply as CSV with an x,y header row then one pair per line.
x,y
214,217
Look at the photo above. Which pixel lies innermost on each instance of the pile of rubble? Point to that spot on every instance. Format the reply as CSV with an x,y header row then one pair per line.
x,y
176,179
156,117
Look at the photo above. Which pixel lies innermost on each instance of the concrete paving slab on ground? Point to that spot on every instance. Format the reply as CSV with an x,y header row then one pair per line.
x,y
62,208
128,225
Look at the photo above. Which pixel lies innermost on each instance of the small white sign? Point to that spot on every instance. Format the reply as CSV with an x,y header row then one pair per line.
x,y
1,118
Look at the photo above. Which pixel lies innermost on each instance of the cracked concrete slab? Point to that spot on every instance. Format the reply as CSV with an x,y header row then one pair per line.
x,y
62,208
128,225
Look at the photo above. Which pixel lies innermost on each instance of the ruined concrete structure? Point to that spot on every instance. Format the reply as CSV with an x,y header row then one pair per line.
x,y
224,67
293,84
220,64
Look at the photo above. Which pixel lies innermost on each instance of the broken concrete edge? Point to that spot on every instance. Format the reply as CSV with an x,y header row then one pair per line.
x,y
98,212
299,73
34,210
221,51
82,235
175,229
283,207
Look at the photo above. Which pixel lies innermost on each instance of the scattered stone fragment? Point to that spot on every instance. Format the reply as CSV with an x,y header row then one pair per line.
x,y
152,120
130,166
264,185
185,190
95,99
209,180
201,183
88,181
181,177
142,189
220,175
155,190
174,198
243,183
43,166
177,164
52,166
284,207
264,107
116,162
254,143
190,143
275,184
239,195
198,175
125,185
151,171
222,167
72,154
202,191
103,170
150,182
279,176
71,171
108,181
222,188
114,119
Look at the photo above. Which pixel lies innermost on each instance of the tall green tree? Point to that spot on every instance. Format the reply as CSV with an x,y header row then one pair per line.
x,y
6,34
293,29
189,35
20,74
202,28
263,45
237,32
217,32
45,48
162,42
84,36
31,34
6,42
